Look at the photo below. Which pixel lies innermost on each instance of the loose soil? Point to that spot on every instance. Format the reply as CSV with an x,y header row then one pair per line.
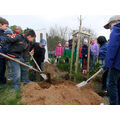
x,y
60,92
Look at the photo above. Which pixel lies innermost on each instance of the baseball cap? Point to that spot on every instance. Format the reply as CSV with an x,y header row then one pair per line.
x,y
43,42
113,18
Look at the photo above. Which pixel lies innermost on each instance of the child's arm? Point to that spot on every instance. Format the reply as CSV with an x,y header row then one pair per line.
x,y
8,40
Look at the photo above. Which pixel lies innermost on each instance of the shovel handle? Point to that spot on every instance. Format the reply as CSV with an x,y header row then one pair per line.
x,y
35,62
6,56
94,75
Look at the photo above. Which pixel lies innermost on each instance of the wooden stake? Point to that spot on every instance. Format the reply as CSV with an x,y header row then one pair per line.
x,y
88,59
73,48
78,46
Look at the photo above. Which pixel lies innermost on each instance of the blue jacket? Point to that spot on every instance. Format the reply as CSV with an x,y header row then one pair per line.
x,y
103,51
84,51
112,59
5,48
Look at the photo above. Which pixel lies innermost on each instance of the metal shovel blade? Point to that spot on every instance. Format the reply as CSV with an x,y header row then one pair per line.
x,y
81,84
44,76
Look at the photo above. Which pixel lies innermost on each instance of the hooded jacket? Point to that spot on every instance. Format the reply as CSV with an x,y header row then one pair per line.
x,y
113,52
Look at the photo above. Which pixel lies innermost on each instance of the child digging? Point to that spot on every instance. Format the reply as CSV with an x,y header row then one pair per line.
x,y
39,56
19,51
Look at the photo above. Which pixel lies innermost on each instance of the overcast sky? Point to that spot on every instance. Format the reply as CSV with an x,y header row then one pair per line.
x,y
39,14
95,22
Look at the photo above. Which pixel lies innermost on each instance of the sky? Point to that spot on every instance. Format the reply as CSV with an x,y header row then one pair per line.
x,y
95,22
43,14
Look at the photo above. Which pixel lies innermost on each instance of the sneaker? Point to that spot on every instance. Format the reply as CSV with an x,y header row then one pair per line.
x,y
27,81
15,87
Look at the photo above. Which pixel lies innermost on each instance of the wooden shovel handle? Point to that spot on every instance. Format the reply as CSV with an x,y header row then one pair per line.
x,y
20,62
94,75
35,62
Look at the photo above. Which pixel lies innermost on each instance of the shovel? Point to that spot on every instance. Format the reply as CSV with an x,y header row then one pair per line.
x,y
42,75
85,82
41,72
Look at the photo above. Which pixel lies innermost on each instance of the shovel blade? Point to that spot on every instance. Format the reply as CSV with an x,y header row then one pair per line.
x,y
44,76
81,84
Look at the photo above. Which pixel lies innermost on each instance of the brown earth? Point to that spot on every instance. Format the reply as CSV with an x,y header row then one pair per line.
x,y
59,93
52,69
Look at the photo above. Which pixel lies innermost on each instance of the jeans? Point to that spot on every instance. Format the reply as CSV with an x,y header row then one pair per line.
x,y
2,70
92,61
113,86
104,80
20,73
41,65
9,70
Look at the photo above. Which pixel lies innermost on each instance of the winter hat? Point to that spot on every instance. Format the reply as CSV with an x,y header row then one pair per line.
x,y
8,31
43,42
113,18
85,40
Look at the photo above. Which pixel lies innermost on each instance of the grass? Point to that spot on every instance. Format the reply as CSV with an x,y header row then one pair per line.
x,y
9,96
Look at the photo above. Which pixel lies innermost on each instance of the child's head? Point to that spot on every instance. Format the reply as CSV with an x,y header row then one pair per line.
x,y
112,21
8,32
30,34
59,43
42,43
85,42
66,44
75,37
18,30
3,24
101,40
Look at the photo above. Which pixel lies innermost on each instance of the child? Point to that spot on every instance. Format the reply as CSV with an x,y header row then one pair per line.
x,y
19,50
101,40
58,51
3,26
84,56
9,33
66,52
39,55
94,52
17,31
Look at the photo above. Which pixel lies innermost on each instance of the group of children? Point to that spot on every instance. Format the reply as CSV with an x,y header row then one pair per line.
x,y
94,52
18,46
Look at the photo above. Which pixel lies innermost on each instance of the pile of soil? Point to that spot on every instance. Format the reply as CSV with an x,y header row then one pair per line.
x,y
59,92
52,69
56,73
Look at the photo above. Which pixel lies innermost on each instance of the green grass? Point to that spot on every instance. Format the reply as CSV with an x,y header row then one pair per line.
x,y
9,96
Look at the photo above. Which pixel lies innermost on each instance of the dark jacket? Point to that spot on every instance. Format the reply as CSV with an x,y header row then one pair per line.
x,y
70,44
17,47
113,52
84,51
5,48
39,53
